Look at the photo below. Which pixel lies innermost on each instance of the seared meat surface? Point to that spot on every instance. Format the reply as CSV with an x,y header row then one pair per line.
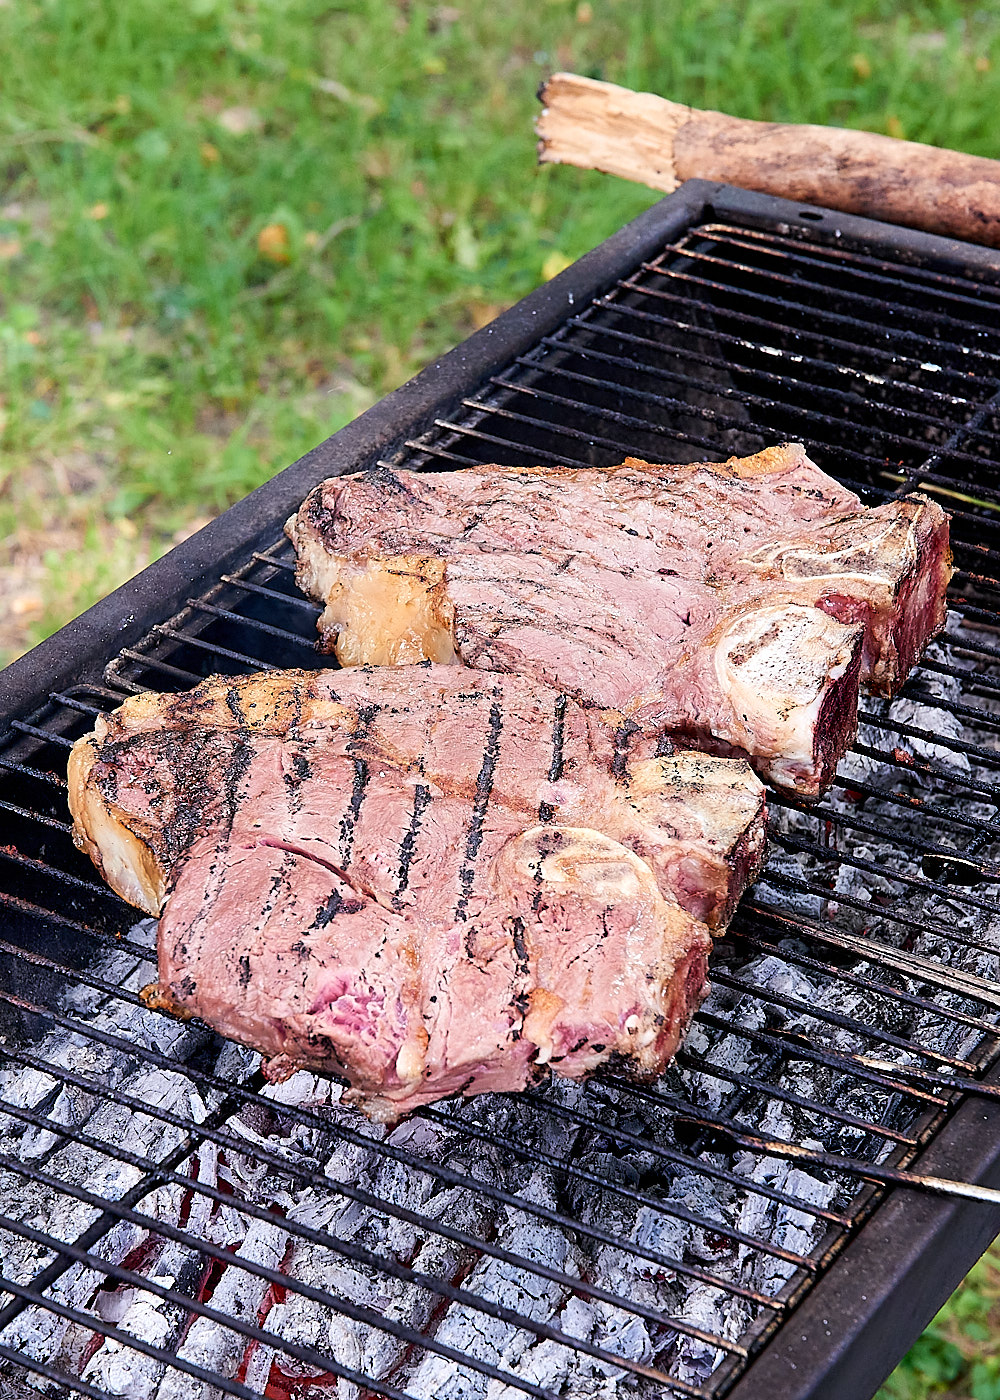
x,y
426,879
737,605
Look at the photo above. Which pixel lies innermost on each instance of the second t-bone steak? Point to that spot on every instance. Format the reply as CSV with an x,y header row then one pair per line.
x,y
426,879
737,605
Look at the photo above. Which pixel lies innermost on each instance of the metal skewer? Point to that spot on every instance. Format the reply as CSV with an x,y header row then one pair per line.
x,y
889,1176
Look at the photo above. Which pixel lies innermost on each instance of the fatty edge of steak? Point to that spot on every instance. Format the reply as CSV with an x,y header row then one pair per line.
x,y
776,667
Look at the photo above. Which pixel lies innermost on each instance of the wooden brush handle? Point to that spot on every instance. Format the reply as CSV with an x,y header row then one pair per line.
x,y
646,138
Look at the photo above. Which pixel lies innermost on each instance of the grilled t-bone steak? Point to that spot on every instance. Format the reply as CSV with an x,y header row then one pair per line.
x,y
426,879
737,605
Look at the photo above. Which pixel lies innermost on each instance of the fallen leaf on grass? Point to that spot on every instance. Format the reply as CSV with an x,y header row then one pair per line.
x,y
367,104
209,153
98,211
240,121
274,244
555,263
481,313
26,605
9,248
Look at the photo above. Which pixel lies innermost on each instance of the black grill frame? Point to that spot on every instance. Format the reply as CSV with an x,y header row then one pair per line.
x,y
881,1292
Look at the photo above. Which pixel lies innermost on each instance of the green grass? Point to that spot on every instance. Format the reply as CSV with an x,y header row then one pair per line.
x,y
957,1357
155,364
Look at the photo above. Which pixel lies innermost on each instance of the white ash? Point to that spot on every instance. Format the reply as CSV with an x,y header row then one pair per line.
x,y
239,1294
655,1208
489,1338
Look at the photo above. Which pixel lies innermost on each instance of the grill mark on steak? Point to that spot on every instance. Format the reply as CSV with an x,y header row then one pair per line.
x,y
421,800
640,588
601,914
623,738
349,821
484,786
558,727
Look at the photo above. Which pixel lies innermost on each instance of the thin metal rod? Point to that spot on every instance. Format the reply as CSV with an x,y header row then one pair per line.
x,y
306,604
772,330
301,1172
39,817
46,735
783,407
386,1149
36,774
807,369
93,1322
919,969
956,894
109,939
250,662
41,1368
382,1263
356,1312
905,275
253,623
834,1161
875,326
856,823
812,255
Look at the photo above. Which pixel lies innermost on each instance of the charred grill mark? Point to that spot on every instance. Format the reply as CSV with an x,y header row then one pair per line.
x,y
546,811
664,745
281,883
235,707
558,722
330,909
242,750
484,786
623,738
294,778
550,842
386,480
520,947
421,800
245,970
349,820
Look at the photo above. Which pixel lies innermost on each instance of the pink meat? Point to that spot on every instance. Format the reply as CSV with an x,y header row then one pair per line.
x,y
736,605
425,879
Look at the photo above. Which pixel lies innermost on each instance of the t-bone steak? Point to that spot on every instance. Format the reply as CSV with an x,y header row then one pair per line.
x,y
737,605
426,879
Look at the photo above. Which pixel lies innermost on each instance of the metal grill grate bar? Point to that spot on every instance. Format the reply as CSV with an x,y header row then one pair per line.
x,y
802,256
342,1305
452,1178
706,340
890,334
933,281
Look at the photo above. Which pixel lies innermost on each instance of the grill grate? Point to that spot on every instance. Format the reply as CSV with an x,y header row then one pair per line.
x,y
173,1226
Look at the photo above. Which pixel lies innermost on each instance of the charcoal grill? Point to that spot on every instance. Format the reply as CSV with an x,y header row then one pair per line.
x,y
172,1226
